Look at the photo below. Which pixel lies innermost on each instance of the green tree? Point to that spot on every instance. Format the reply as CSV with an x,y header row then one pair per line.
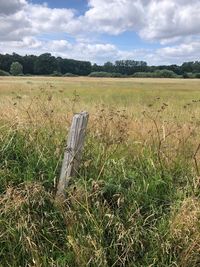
x,y
16,68
109,67
45,64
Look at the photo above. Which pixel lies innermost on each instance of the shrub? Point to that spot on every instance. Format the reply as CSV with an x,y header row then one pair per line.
x,y
56,74
105,74
68,74
117,75
185,75
100,74
189,75
165,74
16,69
144,75
157,74
4,73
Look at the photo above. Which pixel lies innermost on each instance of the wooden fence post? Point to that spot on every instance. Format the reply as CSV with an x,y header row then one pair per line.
x,y
72,155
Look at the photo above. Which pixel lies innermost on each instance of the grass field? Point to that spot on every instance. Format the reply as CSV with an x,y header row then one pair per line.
x,y
136,201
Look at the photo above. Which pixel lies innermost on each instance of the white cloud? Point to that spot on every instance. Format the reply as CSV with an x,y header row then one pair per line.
x,y
8,7
152,19
79,51
15,27
173,23
114,16
189,51
169,19
101,53
45,19
30,20
59,46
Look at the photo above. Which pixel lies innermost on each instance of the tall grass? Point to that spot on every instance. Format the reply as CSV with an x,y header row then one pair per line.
x,y
135,201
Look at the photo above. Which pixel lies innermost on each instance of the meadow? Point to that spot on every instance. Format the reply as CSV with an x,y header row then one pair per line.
x,y
136,199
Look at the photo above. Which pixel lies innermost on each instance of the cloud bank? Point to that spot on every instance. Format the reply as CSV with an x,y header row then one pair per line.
x,y
172,24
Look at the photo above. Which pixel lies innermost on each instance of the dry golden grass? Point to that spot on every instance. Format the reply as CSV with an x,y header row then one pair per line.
x,y
185,230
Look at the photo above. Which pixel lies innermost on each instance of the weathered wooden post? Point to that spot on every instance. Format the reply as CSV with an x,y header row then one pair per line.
x,y
72,155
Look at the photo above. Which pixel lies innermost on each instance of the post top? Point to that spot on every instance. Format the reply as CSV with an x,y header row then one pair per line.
x,y
82,113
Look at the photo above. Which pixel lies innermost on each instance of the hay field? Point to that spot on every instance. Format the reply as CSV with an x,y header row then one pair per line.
x,y
135,95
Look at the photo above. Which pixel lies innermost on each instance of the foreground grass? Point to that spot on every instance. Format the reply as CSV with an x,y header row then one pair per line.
x,y
135,202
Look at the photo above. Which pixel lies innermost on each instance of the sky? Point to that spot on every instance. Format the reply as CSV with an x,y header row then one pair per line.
x,y
156,31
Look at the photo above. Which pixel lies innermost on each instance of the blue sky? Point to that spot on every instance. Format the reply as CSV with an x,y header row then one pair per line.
x,y
157,31
79,5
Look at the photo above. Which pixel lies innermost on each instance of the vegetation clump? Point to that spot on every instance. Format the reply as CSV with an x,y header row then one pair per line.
x,y
4,73
56,74
69,75
16,69
105,74
156,74
185,231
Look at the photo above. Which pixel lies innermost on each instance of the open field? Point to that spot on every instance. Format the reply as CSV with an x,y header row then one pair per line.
x,y
124,92
136,94
136,201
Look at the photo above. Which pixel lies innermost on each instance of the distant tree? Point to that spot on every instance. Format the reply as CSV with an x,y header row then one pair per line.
x,y
28,64
193,67
5,62
109,67
74,66
16,68
97,68
129,67
45,64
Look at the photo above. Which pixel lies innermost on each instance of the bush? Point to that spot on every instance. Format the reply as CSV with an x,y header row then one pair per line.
x,y
16,69
100,74
4,73
197,75
189,75
56,74
117,75
68,74
157,74
185,75
105,74
144,75
165,74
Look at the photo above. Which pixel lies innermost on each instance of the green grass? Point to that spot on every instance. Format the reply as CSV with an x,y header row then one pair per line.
x,y
136,199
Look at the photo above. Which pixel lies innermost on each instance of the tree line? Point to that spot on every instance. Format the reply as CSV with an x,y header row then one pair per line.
x,y
47,64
